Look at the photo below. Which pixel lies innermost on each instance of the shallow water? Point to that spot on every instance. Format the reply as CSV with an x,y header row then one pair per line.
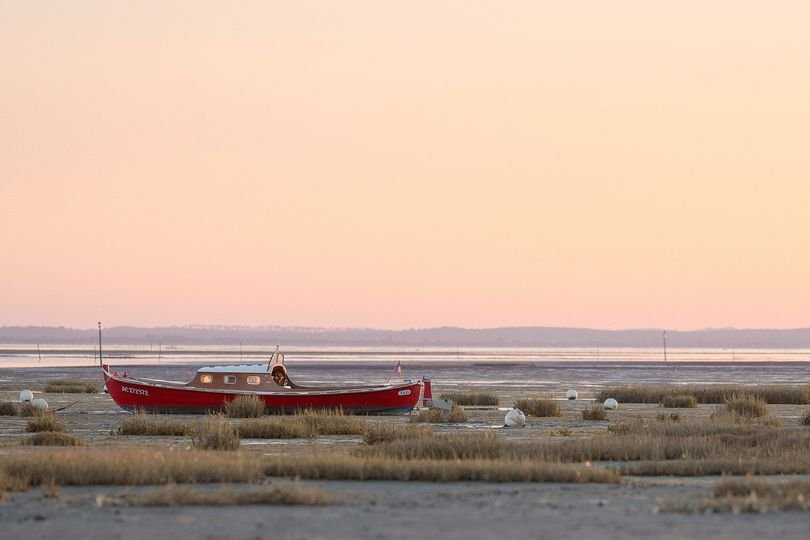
x,y
507,370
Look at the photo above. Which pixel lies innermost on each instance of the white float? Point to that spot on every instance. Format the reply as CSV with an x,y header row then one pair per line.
x,y
571,394
26,396
514,418
40,403
611,404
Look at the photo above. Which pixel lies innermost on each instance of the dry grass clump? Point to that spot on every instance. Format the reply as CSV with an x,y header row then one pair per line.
x,y
479,445
28,410
749,496
381,433
52,438
173,495
774,394
127,467
214,433
70,386
7,408
472,398
679,401
427,470
276,428
539,407
594,412
306,424
333,422
247,406
747,406
439,416
44,422
788,464
156,425
723,445
806,419
673,417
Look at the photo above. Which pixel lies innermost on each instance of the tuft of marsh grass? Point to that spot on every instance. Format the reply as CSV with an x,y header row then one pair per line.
x,y
747,406
275,428
774,394
595,412
70,386
333,422
381,433
52,438
806,418
28,410
427,470
438,416
673,417
156,425
44,422
472,398
749,496
90,466
214,433
560,432
679,401
789,464
246,406
173,495
539,407
692,447
456,446
303,425
8,408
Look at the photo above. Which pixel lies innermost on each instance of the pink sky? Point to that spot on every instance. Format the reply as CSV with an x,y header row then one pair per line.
x,y
600,164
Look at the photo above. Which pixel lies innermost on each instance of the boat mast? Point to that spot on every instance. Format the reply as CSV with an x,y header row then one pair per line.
x,y
100,361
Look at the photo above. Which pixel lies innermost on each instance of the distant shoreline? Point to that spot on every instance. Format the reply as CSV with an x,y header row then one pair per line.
x,y
442,337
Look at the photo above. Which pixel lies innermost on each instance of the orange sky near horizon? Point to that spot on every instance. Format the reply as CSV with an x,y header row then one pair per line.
x,y
393,165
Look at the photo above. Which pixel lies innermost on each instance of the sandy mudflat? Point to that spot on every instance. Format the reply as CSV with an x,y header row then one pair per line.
x,y
465,511
371,510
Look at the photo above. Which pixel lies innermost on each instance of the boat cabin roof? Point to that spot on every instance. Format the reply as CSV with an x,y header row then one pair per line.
x,y
242,368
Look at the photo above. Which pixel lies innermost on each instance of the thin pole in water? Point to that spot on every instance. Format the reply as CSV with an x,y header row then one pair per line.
x,y
100,361
39,354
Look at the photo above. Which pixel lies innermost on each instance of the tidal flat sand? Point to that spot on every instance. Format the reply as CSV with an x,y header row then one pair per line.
x,y
378,509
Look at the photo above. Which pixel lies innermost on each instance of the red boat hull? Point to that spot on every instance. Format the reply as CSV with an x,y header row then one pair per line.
x,y
132,394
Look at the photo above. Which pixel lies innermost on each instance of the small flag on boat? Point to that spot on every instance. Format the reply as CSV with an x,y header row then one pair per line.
x,y
397,371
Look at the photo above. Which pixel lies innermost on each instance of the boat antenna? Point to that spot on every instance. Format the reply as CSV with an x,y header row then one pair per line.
x,y
100,361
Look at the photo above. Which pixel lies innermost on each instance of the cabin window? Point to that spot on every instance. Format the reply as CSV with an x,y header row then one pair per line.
x,y
230,379
254,379
206,379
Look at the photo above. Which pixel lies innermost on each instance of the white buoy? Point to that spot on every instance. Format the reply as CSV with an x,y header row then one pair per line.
x,y
26,396
514,418
611,404
571,394
40,403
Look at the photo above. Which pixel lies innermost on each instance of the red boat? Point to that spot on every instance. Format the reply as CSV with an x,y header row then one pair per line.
x,y
213,387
